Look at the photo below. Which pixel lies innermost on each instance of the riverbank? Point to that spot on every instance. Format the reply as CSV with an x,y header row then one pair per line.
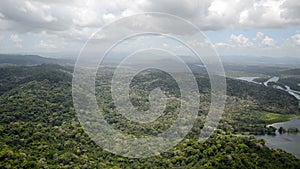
x,y
288,142
271,118
272,82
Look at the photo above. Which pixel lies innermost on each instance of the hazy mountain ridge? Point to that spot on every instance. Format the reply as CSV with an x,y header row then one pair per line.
x,y
295,61
16,59
292,72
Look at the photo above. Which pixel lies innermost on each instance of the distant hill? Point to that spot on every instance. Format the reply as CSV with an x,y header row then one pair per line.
x,y
291,72
262,60
15,59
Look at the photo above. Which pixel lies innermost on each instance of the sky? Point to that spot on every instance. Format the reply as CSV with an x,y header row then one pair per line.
x,y
235,27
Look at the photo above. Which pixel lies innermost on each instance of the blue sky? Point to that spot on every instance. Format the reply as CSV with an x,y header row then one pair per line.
x,y
279,34
234,27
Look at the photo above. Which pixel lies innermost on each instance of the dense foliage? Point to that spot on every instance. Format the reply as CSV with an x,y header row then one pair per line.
x,y
39,128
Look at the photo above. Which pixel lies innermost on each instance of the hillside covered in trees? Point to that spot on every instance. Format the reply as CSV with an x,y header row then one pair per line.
x,y
39,128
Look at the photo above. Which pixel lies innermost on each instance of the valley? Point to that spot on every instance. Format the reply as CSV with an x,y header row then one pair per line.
x,y
39,126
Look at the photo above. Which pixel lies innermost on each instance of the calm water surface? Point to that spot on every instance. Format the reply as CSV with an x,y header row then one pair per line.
x,y
287,141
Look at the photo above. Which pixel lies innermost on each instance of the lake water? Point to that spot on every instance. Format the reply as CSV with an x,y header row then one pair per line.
x,y
287,141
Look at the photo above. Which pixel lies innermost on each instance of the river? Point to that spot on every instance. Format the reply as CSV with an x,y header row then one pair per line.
x,y
274,79
249,79
287,141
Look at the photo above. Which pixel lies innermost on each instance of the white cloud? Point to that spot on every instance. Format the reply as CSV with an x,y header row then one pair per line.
x,y
264,14
47,45
240,40
33,16
230,14
76,20
291,11
264,41
218,7
108,17
16,40
295,40
261,45
204,43
269,42
59,17
223,45
85,17
259,37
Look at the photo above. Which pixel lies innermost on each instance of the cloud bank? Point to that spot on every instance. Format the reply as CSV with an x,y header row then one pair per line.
x,y
75,20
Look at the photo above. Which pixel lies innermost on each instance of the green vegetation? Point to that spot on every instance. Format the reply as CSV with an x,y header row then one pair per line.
x,y
236,74
271,118
262,71
11,59
39,128
261,80
263,98
291,81
290,78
